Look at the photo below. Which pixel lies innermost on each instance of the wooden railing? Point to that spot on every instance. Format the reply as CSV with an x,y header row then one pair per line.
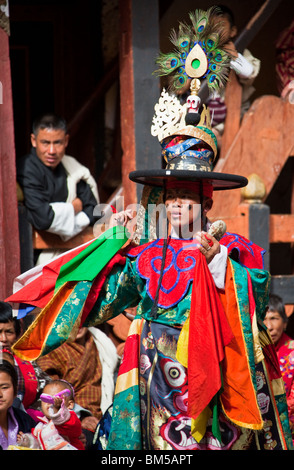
x,y
42,240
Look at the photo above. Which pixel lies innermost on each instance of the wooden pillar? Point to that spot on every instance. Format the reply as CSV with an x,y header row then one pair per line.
x,y
139,89
259,219
9,232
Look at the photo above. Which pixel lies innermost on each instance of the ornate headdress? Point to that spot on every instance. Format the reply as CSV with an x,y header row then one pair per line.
x,y
199,53
189,146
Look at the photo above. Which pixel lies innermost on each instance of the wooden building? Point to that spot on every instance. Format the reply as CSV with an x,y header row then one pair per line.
x,y
92,62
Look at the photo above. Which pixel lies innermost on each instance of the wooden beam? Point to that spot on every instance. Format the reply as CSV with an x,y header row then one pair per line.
x,y
281,228
42,240
127,104
255,24
139,90
280,225
47,241
9,231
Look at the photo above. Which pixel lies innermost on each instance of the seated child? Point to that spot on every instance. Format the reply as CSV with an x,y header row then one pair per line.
x,y
57,404
12,420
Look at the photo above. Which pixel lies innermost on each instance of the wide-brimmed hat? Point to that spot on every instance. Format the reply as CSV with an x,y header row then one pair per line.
x,y
188,144
189,154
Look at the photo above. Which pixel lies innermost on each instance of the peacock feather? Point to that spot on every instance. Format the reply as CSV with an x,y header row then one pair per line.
x,y
199,52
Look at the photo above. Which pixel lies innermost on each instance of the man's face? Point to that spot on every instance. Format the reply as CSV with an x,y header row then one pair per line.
x,y
7,334
183,209
50,145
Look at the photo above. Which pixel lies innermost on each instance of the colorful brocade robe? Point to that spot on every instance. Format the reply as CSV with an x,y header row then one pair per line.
x,y
202,373
151,409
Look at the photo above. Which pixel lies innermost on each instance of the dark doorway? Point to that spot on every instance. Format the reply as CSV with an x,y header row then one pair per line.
x,y
56,63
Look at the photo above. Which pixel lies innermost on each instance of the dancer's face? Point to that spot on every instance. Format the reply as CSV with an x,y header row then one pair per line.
x,y
183,210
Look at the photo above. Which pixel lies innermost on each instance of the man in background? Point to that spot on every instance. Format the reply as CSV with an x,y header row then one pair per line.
x,y
59,193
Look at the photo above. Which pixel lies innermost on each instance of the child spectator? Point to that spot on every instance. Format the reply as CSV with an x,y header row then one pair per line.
x,y
12,420
57,404
31,378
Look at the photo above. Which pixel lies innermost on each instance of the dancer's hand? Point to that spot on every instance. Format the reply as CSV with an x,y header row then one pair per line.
x,y
208,245
121,218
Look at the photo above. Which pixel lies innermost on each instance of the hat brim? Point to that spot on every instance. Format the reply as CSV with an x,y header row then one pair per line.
x,y
219,181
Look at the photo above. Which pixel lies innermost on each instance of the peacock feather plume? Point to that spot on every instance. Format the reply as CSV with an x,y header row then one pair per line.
x,y
199,52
